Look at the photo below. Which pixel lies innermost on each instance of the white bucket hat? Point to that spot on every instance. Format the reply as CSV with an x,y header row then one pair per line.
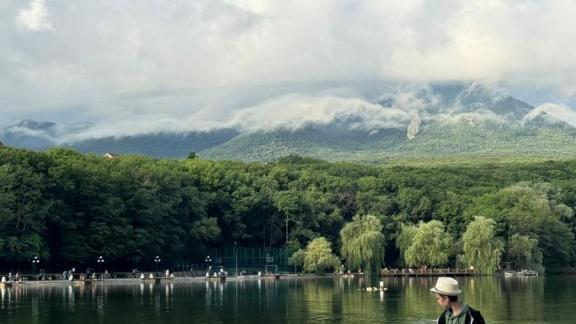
x,y
446,286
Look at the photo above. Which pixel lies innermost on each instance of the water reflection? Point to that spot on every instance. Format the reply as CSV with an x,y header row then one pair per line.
x,y
407,300
5,298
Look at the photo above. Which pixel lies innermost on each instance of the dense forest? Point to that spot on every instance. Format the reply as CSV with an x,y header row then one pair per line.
x,y
69,208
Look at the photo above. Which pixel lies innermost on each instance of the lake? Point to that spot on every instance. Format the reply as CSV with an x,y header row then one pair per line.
x,y
546,299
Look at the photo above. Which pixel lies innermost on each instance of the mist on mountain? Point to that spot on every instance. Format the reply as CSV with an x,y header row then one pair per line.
x,y
329,120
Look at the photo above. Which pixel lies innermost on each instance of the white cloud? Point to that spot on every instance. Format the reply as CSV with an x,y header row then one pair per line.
x,y
471,118
558,112
36,17
290,112
103,52
411,96
295,111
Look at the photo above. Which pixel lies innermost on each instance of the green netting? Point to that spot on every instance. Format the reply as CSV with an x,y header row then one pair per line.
x,y
249,259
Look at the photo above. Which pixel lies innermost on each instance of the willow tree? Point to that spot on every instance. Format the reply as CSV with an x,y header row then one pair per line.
x,y
363,243
429,245
297,259
318,256
404,238
482,249
524,253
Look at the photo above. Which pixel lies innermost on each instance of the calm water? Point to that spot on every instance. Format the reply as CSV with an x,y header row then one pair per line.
x,y
549,299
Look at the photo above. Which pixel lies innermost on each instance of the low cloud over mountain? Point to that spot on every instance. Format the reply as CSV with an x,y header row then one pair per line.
x,y
396,113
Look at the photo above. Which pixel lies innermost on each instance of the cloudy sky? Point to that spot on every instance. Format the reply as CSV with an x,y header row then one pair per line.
x,y
202,61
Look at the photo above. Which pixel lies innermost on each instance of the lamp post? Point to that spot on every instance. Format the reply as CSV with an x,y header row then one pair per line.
x,y
35,263
100,262
208,260
236,257
157,261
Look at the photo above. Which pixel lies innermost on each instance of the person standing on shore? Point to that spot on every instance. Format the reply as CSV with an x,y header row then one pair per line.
x,y
455,312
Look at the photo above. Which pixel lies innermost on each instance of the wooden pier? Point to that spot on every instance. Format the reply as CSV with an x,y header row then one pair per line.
x,y
157,280
427,273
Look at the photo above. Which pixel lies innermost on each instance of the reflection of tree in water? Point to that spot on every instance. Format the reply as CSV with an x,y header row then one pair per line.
x,y
342,300
559,292
415,301
372,280
408,300
311,299
523,298
357,304
485,294
505,298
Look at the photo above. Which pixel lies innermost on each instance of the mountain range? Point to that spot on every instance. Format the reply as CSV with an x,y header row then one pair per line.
x,y
405,121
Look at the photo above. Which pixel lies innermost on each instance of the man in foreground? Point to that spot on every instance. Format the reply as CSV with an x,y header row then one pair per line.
x,y
455,312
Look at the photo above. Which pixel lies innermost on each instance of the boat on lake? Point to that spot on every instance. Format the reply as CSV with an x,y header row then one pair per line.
x,y
510,273
521,273
351,275
528,273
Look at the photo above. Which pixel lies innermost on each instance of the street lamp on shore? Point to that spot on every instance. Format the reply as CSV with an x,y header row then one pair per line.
x,y
35,263
157,261
100,263
208,260
236,257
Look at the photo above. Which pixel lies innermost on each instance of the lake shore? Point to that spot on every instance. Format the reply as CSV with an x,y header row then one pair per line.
x,y
113,281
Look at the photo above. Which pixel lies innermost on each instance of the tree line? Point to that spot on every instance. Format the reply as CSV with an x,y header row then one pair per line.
x,y
69,208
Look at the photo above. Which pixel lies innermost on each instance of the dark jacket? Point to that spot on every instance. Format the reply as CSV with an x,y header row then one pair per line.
x,y
472,317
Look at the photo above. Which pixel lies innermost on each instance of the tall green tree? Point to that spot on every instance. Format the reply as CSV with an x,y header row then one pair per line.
x,y
404,239
319,257
430,246
69,207
23,210
363,243
297,259
524,253
482,249
532,209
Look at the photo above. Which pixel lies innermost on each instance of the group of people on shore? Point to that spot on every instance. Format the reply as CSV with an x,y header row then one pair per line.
x,y
12,278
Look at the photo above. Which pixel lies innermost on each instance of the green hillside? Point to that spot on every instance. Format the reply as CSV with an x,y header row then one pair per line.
x,y
435,141
69,208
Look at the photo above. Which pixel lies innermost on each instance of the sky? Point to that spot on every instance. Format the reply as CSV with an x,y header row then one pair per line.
x,y
161,64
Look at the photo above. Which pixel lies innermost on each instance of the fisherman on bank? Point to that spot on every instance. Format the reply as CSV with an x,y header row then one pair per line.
x,y
455,312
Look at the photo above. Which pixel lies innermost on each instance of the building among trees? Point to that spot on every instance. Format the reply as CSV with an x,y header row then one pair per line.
x,y
111,155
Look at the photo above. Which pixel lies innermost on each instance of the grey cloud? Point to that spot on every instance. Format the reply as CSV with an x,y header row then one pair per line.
x,y
291,112
472,118
559,112
157,61
294,112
